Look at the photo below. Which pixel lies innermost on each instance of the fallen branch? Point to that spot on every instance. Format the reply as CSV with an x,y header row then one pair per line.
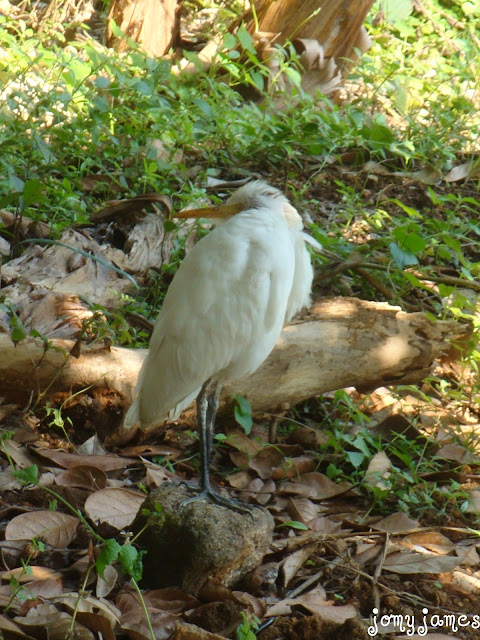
x,y
343,342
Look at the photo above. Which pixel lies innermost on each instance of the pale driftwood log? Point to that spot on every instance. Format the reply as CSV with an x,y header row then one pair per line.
x,y
343,342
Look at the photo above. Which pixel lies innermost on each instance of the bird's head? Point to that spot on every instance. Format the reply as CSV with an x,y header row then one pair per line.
x,y
253,195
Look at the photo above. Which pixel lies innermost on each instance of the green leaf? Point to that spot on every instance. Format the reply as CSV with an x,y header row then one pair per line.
x,y
102,82
169,225
414,242
131,561
413,213
416,282
243,413
293,75
10,198
18,331
32,192
396,10
294,524
257,79
245,40
229,41
355,458
402,258
360,444
29,475
107,555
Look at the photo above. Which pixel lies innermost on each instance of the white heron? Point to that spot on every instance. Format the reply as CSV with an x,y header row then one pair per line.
x,y
224,311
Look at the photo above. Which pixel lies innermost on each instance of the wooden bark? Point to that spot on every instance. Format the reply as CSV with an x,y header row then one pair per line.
x,y
337,26
343,342
152,23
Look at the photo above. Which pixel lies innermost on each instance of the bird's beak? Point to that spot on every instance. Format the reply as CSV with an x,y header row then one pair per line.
x,y
221,211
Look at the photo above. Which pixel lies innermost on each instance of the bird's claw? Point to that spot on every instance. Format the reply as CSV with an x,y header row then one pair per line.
x,y
212,496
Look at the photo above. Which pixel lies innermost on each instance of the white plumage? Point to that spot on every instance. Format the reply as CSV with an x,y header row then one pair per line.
x,y
226,305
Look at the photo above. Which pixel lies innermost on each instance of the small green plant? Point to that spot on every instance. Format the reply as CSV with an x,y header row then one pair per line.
x,y
243,413
127,555
246,631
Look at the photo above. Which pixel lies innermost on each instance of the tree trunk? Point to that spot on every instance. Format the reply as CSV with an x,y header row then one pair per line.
x,y
344,342
152,23
337,26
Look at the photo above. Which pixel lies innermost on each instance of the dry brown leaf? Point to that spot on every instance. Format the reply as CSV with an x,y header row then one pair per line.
x,y
239,479
173,600
254,605
295,561
328,612
135,625
185,631
302,510
427,175
468,555
378,470
97,623
130,206
240,441
396,523
106,583
149,450
117,507
18,453
164,153
68,460
462,171
12,629
6,597
156,476
457,453
47,588
265,461
35,573
367,552
308,437
293,467
315,485
262,579
315,602
92,447
96,614
8,481
100,182
400,562
431,540
83,477
473,502
55,528
89,604
259,490
324,524
47,617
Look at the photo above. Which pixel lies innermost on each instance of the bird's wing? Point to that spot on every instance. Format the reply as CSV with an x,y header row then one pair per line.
x,y
302,280
222,313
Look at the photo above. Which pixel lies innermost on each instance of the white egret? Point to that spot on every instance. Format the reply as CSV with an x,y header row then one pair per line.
x,y
224,311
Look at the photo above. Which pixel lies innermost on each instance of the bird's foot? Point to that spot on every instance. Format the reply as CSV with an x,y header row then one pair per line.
x,y
212,496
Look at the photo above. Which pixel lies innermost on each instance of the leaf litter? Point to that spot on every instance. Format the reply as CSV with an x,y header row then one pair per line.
x,y
313,564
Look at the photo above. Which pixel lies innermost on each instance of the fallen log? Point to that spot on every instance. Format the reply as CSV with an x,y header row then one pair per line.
x,y
343,342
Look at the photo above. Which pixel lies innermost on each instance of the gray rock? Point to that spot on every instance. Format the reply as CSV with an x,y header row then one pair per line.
x,y
200,542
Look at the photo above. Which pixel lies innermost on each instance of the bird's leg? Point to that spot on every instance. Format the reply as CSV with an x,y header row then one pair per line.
x,y
207,405
213,398
205,437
